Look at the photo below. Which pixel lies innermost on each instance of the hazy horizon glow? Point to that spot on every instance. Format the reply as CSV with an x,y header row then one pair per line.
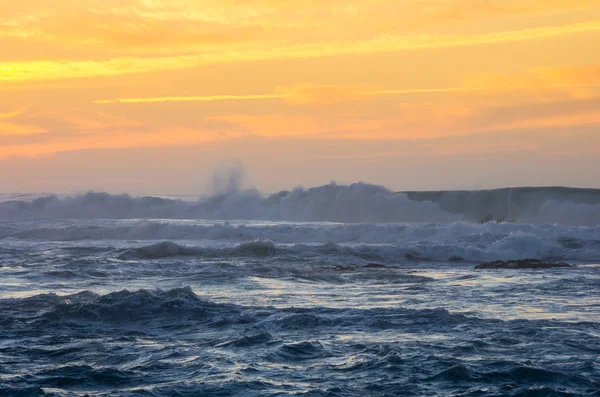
x,y
147,97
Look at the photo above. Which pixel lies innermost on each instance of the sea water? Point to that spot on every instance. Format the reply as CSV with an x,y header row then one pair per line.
x,y
331,291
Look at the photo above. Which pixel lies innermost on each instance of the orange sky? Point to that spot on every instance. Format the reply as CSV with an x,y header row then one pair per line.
x,y
414,94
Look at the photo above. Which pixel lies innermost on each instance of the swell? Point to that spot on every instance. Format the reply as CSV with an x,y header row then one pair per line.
x,y
172,342
359,202
180,306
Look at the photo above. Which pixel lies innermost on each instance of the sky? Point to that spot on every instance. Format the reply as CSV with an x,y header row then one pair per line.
x,y
151,96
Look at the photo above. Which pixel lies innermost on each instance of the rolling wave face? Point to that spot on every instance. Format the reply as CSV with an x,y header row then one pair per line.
x,y
168,249
164,309
354,203
496,248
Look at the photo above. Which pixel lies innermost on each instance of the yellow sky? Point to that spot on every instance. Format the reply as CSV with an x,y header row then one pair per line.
x,y
461,78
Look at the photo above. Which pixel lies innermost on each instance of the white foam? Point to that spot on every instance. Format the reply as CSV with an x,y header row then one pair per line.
x,y
359,202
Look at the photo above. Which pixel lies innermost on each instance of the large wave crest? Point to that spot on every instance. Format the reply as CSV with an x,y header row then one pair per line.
x,y
355,203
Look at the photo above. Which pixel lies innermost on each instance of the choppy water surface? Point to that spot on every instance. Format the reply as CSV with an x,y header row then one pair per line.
x,y
191,307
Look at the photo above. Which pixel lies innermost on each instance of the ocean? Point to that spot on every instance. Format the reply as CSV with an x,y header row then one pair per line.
x,y
330,291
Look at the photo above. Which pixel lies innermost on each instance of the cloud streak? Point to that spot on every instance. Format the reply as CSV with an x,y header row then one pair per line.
x,y
12,114
210,98
305,95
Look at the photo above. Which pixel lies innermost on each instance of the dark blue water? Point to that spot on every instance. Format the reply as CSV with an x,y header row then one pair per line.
x,y
198,308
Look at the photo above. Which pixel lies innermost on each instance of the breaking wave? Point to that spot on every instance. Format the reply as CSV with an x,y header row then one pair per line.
x,y
398,242
168,249
359,203
488,248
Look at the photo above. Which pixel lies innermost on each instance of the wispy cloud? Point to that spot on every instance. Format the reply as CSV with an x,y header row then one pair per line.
x,y
12,114
13,127
209,98
330,94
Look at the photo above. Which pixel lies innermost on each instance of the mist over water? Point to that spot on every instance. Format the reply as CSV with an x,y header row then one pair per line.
x,y
356,203
228,179
335,290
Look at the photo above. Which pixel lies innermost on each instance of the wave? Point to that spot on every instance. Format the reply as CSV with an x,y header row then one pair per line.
x,y
368,233
506,248
148,311
180,306
93,205
358,203
160,342
472,249
169,249
391,243
174,307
